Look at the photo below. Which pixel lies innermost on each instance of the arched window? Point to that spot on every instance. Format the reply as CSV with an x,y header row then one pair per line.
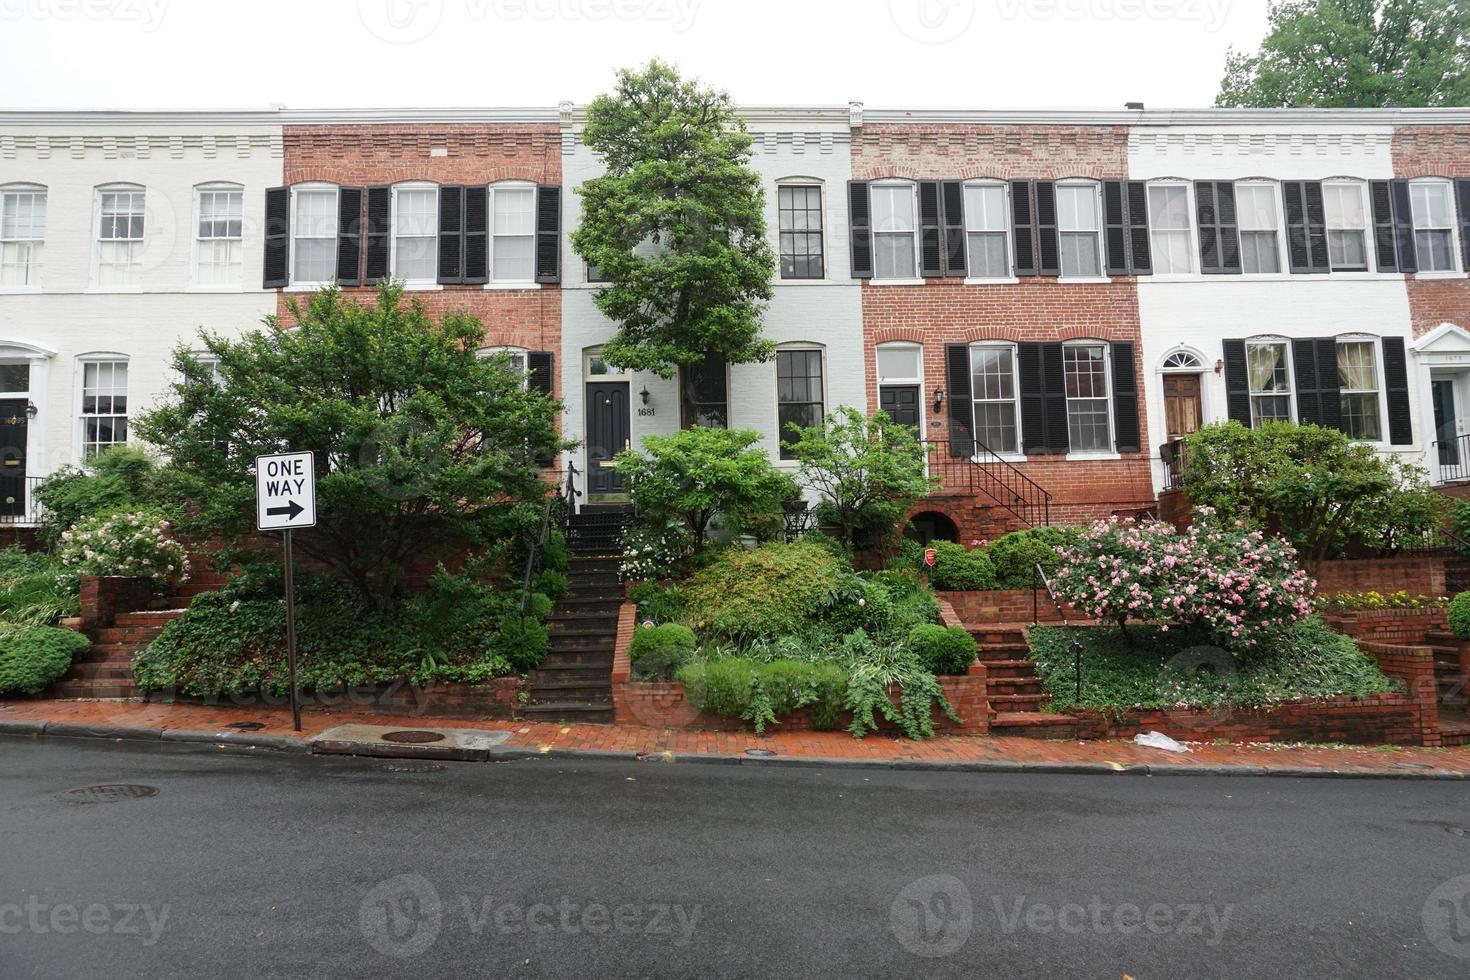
x,y
1258,211
1433,208
1182,360
800,391
995,396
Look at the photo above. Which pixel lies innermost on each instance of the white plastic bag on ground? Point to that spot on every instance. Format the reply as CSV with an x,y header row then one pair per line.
x,y
1158,740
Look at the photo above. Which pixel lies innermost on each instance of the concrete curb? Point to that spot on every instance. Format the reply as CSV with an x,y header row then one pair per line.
x,y
249,740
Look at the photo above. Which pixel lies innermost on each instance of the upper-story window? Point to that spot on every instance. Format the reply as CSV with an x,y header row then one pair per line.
x,y
22,235
219,257
1089,419
993,390
894,230
416,232
1347,223
1170,229
987,230
120,215
1434,216
705,394
313,234
1078,228
513,229
1260,227
799,209
1269,375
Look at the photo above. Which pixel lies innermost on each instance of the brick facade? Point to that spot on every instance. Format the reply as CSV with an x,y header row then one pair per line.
x,y
1434,151
1417,575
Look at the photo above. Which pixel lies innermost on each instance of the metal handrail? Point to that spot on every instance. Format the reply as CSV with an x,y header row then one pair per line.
x,y
985,471
1171,454
565,493
1460,468
1076,641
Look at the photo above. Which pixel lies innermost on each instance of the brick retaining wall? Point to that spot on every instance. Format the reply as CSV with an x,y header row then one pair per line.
x,y
1005,606
1387,625
1394,719
1417,575
104,596
497,698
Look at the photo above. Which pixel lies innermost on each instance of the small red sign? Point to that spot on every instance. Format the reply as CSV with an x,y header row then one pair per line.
x,y
930,556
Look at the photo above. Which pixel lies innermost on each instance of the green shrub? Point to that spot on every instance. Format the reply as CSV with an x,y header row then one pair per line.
x,y
122,478
658,651
551,583
943,649
34,589
878,672
664,603
522,642
33,657
959,570
771,591
762,692
1016,555
1460,615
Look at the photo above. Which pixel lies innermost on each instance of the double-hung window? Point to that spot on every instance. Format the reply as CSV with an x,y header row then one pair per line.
x,y
893,231
1434,215
1260,228
1169,229
1078,229
799,209
219,258
104,410
120,237
1269,375
1347,239
993,388
313,235
22,235
1089,420
1357,379
987,223
513,233
416,233
705,394
798,394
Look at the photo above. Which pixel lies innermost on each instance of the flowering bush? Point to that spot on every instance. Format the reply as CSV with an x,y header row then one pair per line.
x,y
1225,583
654,551
137,544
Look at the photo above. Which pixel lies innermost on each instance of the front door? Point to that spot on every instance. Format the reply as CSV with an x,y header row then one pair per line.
x,y
901,402
13,421
608,428
1445,428
1182,409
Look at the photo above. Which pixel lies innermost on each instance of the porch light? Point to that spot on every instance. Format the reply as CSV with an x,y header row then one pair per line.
x,y
31,409
938,398
644,394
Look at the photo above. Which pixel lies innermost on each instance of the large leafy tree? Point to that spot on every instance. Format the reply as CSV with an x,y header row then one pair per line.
x,y
676,225
422,445
1355,53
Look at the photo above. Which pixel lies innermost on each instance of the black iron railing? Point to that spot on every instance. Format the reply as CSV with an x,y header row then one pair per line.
x,y
18,500
1454,458
1171,454
982,471
1074,641
561,505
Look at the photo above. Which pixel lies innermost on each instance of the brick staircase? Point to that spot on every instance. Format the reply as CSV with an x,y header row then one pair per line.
x,y
1014,688
1454,704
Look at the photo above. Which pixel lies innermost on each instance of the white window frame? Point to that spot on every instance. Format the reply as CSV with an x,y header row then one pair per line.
x,y
1019,452
1282,260
1191,248
195,241
35,248
432,282
1097,234
514,352
1377,346
1006,233
1366,230
1448,188
913,278
302,285
590,354
1111,442
96,285
818,185
79,424
1290,392
776,391
495,282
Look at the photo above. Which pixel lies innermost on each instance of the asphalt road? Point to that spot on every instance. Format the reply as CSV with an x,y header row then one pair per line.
x,y
274,866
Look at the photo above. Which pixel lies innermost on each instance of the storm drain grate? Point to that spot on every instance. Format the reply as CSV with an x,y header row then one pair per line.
x,y
415,767
413,738
107,793
759,753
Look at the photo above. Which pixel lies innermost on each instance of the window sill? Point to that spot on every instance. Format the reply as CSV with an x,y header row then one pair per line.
x,y
305,287
1439,275
986,281
1084,456
214,289
423,287
523,285
103,290
804,282
895,282
1083,280
19,290
1012,458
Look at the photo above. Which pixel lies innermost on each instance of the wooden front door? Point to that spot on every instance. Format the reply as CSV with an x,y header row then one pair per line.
x,y
1182,408
901,402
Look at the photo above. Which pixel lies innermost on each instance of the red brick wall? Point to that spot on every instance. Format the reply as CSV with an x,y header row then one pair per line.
x,y
103,597
952,151
1393,719
1006,606
1415,575
1387,625
1434,151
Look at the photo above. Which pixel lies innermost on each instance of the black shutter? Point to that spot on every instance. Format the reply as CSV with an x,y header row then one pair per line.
x,y
961,404
277,237
476,235
952,217
1140,248
1054,387
1318,390
931,262
349,235
1329,382
1048,248
1462,195
1115,228
548,233
451,234
1237,383
1403,226
538,378
1396,387
1306,227
1219,234
860,229
1033,398
376,231
1383,242
1126,435
1022,228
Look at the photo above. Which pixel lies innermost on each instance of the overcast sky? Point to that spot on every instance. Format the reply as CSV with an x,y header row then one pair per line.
x,y
341,53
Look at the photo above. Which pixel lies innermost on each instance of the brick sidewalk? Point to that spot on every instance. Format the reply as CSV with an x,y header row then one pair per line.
x,y
835,747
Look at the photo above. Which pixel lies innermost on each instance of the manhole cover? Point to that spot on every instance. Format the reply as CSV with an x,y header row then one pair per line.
x,y
413,738
759,752
246,726
414,767
107,793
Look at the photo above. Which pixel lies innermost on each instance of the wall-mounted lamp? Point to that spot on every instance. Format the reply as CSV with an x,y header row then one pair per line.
x,y
1219,366
938,398
644,394
31,410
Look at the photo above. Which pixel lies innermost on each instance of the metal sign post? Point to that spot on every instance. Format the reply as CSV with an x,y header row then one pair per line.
x,y
285,498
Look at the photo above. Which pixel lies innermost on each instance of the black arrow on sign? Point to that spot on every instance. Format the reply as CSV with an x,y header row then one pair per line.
x,y
291,509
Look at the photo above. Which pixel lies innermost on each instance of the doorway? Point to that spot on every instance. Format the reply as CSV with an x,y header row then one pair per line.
x,y
901,402
14,426
608,431
1446,421
1183,407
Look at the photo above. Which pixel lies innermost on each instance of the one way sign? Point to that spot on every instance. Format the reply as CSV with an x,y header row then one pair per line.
x,y
285,491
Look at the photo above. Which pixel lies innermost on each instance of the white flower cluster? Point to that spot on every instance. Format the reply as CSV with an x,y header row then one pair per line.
x,y
136,545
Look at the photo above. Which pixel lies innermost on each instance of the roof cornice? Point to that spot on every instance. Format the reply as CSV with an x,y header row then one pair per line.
x,y
72,119
1172,117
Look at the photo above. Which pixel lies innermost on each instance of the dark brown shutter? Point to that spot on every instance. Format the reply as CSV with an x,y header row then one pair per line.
x,y
931,261
1115,228
1383,240
1140,247
1462,197
1048,248
1396,387
1126,435
1314,373
1023,228
349,235
277,237
961,404
1219,234
1403,226
1033,398
1306,227
952,217
451,234
476,248
548,233
860,229
376,233
1237,383
1054,386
